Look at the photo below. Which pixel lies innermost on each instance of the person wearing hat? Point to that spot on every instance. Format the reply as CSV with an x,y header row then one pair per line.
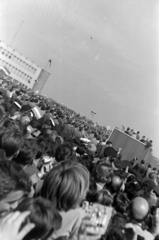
x,y
115,184
138,212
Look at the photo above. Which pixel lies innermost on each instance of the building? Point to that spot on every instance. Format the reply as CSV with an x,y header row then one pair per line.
x,y
22,70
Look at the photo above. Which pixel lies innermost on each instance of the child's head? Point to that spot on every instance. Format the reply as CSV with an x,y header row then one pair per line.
x,y
66,185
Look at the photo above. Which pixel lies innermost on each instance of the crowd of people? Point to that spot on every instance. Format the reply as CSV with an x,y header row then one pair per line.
x,y
136,135
60,178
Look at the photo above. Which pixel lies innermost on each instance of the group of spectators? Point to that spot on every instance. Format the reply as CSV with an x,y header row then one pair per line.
x,y
136,135
61,179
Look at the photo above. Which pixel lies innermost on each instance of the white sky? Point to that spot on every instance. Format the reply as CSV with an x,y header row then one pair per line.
x,y
104,55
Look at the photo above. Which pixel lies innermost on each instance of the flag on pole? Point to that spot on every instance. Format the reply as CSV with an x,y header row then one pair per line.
x,y
37,112
93,112
52,121
50,62
18,103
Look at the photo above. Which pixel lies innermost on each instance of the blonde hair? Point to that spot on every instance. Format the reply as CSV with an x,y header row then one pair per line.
x,y
66,185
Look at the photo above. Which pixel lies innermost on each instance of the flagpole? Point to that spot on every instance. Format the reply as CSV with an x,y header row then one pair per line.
x,y
16,33
48,62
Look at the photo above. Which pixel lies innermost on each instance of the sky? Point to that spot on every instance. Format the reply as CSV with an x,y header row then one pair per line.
x,y
105,56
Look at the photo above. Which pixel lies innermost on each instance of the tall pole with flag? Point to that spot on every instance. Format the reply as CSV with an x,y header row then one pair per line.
x,y
48,64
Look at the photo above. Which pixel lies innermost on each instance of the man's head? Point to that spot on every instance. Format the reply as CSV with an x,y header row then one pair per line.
x,y
109,143
142,162
27,153
14,185
11,141
149,165
43,214
103,173
63,152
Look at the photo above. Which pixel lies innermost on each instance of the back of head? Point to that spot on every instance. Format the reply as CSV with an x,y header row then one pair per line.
x,y
115,234
115,229
11,141
103,197
42,213
63,152
157,237
14,185
81,150
27,153
66,185
121,202
12,177
139,209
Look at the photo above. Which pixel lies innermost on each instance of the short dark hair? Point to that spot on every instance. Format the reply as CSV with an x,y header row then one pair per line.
x,y
103,197
121,203
43,214
63,152
157,237
12,178
115,229
27,153
143,161
11,141
81,150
